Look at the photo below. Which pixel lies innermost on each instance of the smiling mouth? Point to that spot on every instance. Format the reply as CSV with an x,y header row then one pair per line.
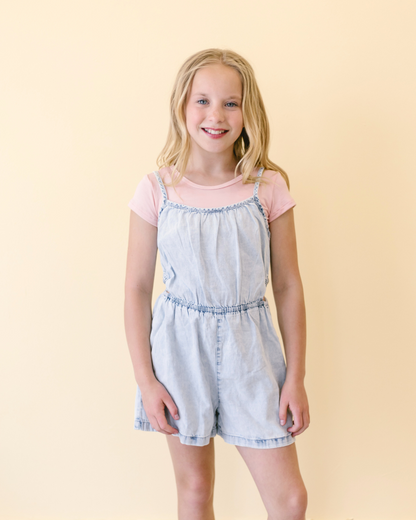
x,y
214,132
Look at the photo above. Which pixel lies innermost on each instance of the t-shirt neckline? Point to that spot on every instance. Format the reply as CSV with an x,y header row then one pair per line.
x,y
216,186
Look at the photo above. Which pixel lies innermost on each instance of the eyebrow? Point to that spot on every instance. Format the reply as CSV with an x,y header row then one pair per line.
x,y
227,97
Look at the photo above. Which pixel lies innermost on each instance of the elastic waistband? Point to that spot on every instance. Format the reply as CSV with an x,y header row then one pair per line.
x,y
216,309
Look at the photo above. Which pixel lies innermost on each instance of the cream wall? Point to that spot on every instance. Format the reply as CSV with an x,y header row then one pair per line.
x,y
84,101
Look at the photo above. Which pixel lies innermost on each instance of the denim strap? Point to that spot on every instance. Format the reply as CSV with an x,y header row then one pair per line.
x,y
162,187
256,186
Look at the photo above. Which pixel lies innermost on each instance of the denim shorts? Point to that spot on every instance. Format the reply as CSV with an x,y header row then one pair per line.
x,y
224,368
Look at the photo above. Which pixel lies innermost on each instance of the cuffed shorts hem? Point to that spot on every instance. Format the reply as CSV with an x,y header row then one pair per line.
x,y
236,440
193,440
262,444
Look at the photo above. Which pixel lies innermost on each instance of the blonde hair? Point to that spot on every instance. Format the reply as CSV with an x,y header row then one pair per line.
x,y
250,149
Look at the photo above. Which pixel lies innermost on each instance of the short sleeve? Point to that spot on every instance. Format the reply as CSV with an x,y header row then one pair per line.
x,y
281,199
144,202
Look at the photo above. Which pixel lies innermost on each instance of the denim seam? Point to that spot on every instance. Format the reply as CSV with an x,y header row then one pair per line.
x,y
258,203
274,441
218,351
147,423
164,194
138,421
193,209
220,310
255,438
260,207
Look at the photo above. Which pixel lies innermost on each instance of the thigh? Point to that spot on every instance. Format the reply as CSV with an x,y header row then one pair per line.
x,y
277,475
194,466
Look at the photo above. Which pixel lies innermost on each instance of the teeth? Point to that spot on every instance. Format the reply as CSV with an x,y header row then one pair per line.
x,y
214,131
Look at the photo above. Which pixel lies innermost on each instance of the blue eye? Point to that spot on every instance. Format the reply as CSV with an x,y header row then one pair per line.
x,y
229,103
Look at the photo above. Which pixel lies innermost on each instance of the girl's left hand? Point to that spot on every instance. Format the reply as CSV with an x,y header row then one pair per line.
x,y
293,394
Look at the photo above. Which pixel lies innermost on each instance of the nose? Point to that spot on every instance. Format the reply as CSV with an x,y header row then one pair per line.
x,y
216,113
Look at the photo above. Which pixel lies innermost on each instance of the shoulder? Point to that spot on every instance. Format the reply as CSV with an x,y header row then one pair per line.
x,y
150,179
149,184
275,177
147,198
147,180
274,186
165,174
275,195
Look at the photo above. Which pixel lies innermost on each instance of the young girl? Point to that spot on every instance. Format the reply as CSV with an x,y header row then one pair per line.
x,y
207,359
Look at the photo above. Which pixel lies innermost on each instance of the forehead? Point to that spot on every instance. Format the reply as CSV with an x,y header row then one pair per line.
x,y
217,78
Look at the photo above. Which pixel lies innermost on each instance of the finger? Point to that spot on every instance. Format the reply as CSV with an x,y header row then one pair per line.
x,y
283,412
164,425
305,424
155,425
298,421
171,406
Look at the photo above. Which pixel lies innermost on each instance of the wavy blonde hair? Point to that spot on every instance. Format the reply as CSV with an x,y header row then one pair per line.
x,y
252,146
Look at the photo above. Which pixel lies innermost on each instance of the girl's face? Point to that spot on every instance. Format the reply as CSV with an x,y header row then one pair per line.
x,y
214,103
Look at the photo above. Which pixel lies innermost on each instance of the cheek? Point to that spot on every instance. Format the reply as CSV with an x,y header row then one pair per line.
x,y
238,120
192,120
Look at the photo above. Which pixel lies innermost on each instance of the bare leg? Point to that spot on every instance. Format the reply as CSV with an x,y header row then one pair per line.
x,y
278,479
194,468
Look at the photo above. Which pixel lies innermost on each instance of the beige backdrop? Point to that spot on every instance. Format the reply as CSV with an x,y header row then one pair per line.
x,y
85,89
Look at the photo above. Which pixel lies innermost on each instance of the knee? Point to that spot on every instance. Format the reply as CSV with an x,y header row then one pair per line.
x,y
198,489
296,504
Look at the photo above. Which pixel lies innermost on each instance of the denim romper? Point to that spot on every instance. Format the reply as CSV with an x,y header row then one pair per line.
x,y
213,343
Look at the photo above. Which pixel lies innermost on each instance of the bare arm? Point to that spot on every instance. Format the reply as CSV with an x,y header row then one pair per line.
x,y
291,314
288,293
140,273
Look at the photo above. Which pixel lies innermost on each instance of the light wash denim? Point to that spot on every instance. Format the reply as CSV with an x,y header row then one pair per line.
x,y
213,343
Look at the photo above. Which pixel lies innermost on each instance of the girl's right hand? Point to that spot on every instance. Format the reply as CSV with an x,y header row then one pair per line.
x,y
155,397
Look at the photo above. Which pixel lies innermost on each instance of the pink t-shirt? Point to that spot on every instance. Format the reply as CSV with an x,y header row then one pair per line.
x,y
147,200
